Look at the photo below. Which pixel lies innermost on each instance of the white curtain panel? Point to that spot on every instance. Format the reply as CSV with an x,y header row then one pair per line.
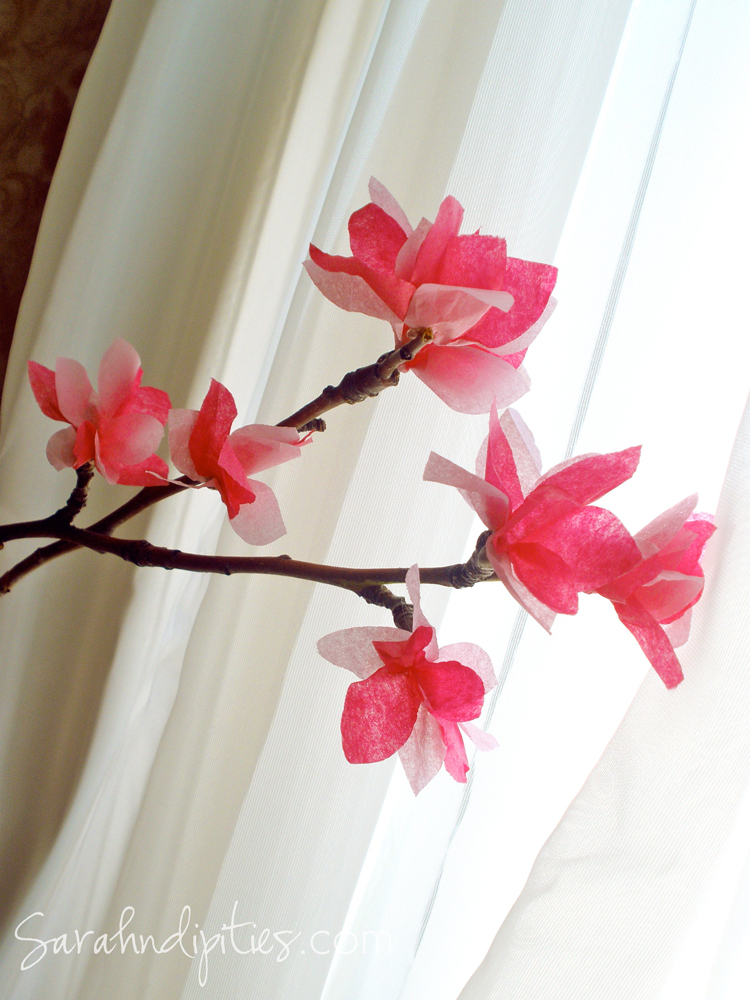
x,y
170,741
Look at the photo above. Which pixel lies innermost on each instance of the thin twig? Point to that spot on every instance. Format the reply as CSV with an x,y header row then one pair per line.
x,y
363,383
77,499
142,553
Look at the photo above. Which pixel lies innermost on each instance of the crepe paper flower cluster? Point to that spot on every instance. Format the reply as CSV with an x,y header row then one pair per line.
x,y
472,311
118,428
203,448
483,307
548,542
412,697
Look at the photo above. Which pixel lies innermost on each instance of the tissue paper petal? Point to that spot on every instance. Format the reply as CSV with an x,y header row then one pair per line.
x,y
467,378
653,640
379,715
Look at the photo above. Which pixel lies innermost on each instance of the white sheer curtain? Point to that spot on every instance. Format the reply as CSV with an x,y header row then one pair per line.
x,y
185,750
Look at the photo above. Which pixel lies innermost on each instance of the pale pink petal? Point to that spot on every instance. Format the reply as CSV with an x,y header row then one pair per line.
x,y
181,424
74,390
350,292
259,447
663,528
407,255
482,741
469,379
678,632
504,571
489,503
471,656
260,522
449,312
500,469
525,452
119,376
652,639
446,225
42,381
423,753
352,648
129,439
60,447
412,589
381,196
379,716
670,594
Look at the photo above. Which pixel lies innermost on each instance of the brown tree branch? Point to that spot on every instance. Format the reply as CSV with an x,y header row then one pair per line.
x,y
363,383
354,387
142,553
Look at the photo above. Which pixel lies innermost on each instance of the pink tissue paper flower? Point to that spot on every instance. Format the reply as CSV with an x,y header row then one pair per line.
x,y
654,599
118,427
483,307
547,543
411,697
202,448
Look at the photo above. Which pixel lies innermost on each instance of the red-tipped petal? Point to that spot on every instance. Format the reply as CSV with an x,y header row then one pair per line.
x,y
531,285
211,429
456,762
591,476
594,544
652,639
476,261
430,255
452,691
379,715
381,196
471,656
154,402
375,238
546,575
42,382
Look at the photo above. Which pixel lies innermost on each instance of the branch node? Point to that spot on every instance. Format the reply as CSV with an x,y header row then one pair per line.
x,y
402,611
476,569
316,424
